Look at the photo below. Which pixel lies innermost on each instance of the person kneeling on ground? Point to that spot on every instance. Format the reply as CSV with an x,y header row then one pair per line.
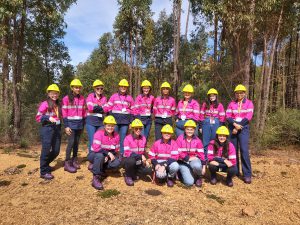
x,y
191,155
104,151
135,161
164,155
222,156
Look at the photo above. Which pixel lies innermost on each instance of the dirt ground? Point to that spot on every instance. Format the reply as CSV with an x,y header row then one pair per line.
x,y
272,198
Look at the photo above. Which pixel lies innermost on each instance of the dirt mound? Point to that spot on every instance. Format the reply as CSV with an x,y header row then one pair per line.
x,y
272,198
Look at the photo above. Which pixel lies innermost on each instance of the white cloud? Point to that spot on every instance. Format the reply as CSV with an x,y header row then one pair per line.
x,y
89,19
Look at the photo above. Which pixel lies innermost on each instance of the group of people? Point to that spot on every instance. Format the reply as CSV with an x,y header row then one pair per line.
x,y
110,146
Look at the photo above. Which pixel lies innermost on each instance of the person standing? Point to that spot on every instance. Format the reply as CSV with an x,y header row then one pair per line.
x,y
120,107
239,114
143,107
163,109
187,109
74,113
49,115
212,116
95,114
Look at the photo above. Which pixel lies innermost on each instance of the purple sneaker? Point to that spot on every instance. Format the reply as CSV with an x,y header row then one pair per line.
x,y
229,182
69,167
198,182
247,180
90,166
213,181
96,183
47,176
75,163
129,181
170,182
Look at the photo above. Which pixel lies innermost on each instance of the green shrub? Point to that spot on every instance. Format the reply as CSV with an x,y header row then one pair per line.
x,y
282,128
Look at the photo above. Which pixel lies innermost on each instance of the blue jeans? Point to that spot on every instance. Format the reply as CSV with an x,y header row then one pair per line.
x,y
147,128
209,132
180,128
99,164
191,171
91,130
241,143
51,139
172,170
121,129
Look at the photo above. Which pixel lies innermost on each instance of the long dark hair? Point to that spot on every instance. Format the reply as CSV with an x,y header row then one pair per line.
x,y
71,97
225,145
52,104
214,103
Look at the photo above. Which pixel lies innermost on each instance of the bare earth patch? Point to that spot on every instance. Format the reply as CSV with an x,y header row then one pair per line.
x,y
272,198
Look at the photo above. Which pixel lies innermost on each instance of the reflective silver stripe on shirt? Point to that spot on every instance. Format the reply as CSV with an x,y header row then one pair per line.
x,y
74,117
119,111
95,114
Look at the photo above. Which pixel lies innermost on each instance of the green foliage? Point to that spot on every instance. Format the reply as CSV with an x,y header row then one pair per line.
x,y
109,193
282,128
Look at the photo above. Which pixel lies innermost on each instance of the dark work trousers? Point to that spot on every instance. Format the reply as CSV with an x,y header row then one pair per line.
x,y
73,143
99,164
51,139
241,144
132,170
231,171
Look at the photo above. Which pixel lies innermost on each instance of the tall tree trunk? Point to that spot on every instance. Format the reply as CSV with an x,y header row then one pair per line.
x,y
298,71
5,66
17,73
187,21
288,94
249,46
260,86
137,65
267,82
216,20
131,63
177,15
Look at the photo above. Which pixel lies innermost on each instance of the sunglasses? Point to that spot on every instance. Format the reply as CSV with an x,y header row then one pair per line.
x,y
138,128
99,88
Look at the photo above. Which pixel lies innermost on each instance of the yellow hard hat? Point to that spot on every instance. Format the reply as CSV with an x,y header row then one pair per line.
x,y
240,87
190,123
165,85
53,87
109,120
76,82
124,83
222,131
136,123
167,129
212,91
146,83
98,83
188,88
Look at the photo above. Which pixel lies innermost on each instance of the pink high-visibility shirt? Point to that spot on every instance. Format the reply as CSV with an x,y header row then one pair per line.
x,y
192,148
134,145
102,141
231,152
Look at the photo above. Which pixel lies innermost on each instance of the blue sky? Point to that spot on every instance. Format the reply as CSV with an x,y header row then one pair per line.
x,y
89,19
